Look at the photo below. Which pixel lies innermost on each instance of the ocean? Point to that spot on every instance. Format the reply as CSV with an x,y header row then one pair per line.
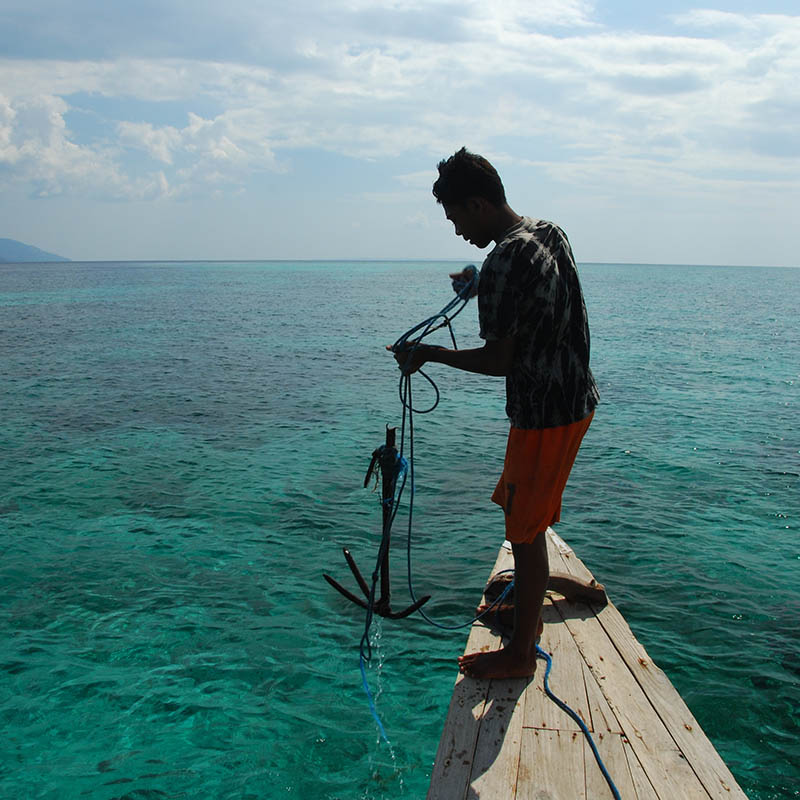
x,y
182,455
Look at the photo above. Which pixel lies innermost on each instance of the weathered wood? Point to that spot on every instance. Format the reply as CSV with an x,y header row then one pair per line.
x,y
505,560
563,559
454,758
505,740
669,705
603,718
551,766
643,788
540,710
612,751
663,762
497,753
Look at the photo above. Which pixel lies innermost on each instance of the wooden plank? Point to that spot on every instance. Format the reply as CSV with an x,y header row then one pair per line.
x,y
612,751
540,710
499,730
450,777
643,789
451,769
505,560
497,753
670,706
654,746
551,767
563,559
603,718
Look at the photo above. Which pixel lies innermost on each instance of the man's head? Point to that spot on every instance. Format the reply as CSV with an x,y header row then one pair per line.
x,y
465,175
472,195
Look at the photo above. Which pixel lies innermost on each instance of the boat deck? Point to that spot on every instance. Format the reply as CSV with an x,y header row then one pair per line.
x,y
506,740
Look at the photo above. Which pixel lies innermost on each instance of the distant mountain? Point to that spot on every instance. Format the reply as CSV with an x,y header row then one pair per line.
x,y
12,251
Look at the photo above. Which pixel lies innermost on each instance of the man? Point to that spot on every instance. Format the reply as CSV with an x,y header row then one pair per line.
x,y
533,320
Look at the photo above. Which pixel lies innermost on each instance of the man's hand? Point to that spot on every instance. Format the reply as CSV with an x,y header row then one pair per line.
x,y
462,279
411,358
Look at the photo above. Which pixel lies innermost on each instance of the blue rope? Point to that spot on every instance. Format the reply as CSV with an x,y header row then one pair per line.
x,y
405,468
427,326
562,705
465,290
370,699
365,647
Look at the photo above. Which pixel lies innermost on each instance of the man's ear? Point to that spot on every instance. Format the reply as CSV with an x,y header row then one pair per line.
x,y
476,204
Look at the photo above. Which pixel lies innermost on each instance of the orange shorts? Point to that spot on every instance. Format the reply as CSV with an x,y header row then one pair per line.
x,y
535,472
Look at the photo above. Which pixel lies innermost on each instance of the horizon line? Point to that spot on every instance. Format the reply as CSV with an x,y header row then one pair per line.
x,y
375,260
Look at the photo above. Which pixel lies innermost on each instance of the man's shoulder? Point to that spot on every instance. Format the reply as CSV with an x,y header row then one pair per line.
x,y
532,228
532,241
529,233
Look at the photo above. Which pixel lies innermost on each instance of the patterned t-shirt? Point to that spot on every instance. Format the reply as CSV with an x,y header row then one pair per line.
x,y
529,289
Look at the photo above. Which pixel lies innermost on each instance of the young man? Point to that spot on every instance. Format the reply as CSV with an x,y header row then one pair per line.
x,y
533,320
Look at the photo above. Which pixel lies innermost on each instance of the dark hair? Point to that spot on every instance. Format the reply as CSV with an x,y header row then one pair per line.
x,y
466,175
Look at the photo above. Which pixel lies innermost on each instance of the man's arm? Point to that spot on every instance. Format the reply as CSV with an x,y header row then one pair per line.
x,y
494,358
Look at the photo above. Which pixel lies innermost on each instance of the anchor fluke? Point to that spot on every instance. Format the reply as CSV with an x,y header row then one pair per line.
x,y
348,594
410,610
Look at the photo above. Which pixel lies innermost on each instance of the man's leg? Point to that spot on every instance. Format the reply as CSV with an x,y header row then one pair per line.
x,y
518,658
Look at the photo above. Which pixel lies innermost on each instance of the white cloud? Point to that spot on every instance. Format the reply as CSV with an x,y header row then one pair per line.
x,y
655,107
504,16
35,148
159,143
726,21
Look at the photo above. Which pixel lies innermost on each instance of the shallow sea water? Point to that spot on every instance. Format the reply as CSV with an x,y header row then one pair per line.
x,y
183,447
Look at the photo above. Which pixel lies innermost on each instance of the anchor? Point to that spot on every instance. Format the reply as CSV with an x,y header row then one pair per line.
x,y
385,458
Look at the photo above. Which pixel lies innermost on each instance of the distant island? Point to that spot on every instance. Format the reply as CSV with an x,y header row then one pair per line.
x,y
12,252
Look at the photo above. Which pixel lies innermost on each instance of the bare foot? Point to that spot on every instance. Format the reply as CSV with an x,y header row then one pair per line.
x,y
497,664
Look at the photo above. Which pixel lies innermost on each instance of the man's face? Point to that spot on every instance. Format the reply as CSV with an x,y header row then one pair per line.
x,y
470,221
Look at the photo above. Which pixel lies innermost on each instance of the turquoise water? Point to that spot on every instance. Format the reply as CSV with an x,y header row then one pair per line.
x,y
183,450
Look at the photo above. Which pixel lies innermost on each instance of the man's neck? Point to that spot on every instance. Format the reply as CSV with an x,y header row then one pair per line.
x,y
506,218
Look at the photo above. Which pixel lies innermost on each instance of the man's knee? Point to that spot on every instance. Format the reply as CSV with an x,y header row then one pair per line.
x,y
530,554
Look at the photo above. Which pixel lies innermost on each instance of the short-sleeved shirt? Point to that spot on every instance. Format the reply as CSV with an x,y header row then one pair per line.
x,y
529,289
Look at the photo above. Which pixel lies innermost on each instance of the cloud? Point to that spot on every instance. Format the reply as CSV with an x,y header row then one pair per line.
x,y
260,32
158,143
332,77
726,21
35,148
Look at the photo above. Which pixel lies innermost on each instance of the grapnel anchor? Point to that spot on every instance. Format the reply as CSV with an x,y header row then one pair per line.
x,y
386,459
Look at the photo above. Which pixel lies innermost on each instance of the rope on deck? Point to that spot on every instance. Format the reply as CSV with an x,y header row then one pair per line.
x,y
564,707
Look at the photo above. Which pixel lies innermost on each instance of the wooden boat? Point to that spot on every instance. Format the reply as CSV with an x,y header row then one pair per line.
x,y
506,740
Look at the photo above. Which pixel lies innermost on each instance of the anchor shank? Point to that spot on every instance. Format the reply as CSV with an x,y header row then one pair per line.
x,y
388,466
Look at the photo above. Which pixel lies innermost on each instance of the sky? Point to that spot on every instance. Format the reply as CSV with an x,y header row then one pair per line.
x,y
652,132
